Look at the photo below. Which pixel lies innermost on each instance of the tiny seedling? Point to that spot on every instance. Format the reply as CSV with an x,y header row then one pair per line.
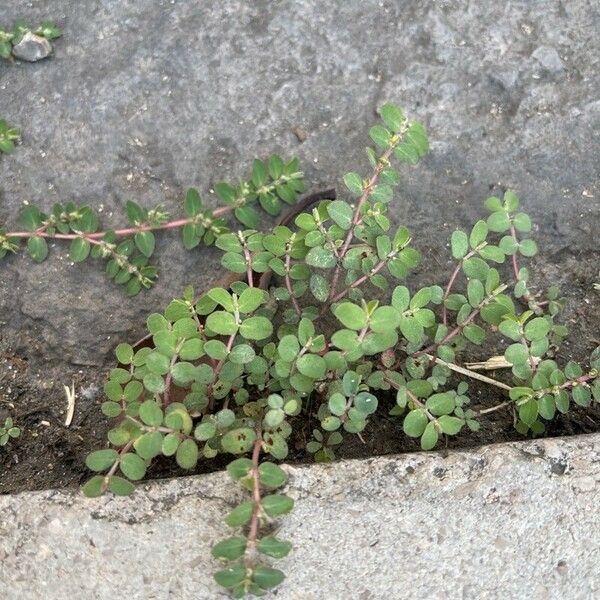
x,y
8,431
8,136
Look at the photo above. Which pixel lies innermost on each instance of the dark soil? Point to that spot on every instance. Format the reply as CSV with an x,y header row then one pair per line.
x,y
50,455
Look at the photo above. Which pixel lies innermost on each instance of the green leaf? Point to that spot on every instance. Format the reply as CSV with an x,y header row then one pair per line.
x,y
417,137
79,250
478,234
149,445
187,454
240,515
516,354
498,221
392,116
189,237
440,404
331,423
259,173
337,404
120,487
170,444
415,423
459,243
381,136
522,222
353,182
231,576
351,315
528,412
474,333
242,354
365,403
271,475
475,292
319,286
312,366
510,329
31,217
157,363
154,383
273,547
145,242
400,298
184,372
222,322
100,460
256,328
151,413
267,577
124,353
250,299
132,466
230,549
238,441
277,504
421,298
476,268
384,319
37,248
288,347
528,248
430,437
192,349
537,328
320,257
94,487
192,203
450,425
411,329
239,468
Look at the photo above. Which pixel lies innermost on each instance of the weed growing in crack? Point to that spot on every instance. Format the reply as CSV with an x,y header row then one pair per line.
x,y
302,329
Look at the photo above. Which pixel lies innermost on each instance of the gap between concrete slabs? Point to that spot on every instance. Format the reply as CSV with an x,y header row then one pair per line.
x,y
508,521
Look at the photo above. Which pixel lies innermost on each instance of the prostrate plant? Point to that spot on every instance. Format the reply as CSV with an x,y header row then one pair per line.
x,y
8,431
127,251
236,369
11,37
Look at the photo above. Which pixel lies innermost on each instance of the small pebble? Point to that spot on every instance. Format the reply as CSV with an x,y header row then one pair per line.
x,y
32,48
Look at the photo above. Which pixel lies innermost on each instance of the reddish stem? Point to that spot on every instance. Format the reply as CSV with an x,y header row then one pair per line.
x,y
360,280
118,232
447,292
383,161
253,533
288,285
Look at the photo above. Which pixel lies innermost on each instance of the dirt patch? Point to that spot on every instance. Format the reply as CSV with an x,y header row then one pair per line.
x,y
50,455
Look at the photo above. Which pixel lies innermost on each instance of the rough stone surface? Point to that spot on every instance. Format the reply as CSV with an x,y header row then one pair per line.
x,y
32,48
141,100
504,522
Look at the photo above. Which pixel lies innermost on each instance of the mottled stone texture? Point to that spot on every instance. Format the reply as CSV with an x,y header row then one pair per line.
x,y
143,99
505,522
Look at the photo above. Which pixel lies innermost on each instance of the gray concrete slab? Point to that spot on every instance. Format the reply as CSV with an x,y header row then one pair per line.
x,y
516,521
